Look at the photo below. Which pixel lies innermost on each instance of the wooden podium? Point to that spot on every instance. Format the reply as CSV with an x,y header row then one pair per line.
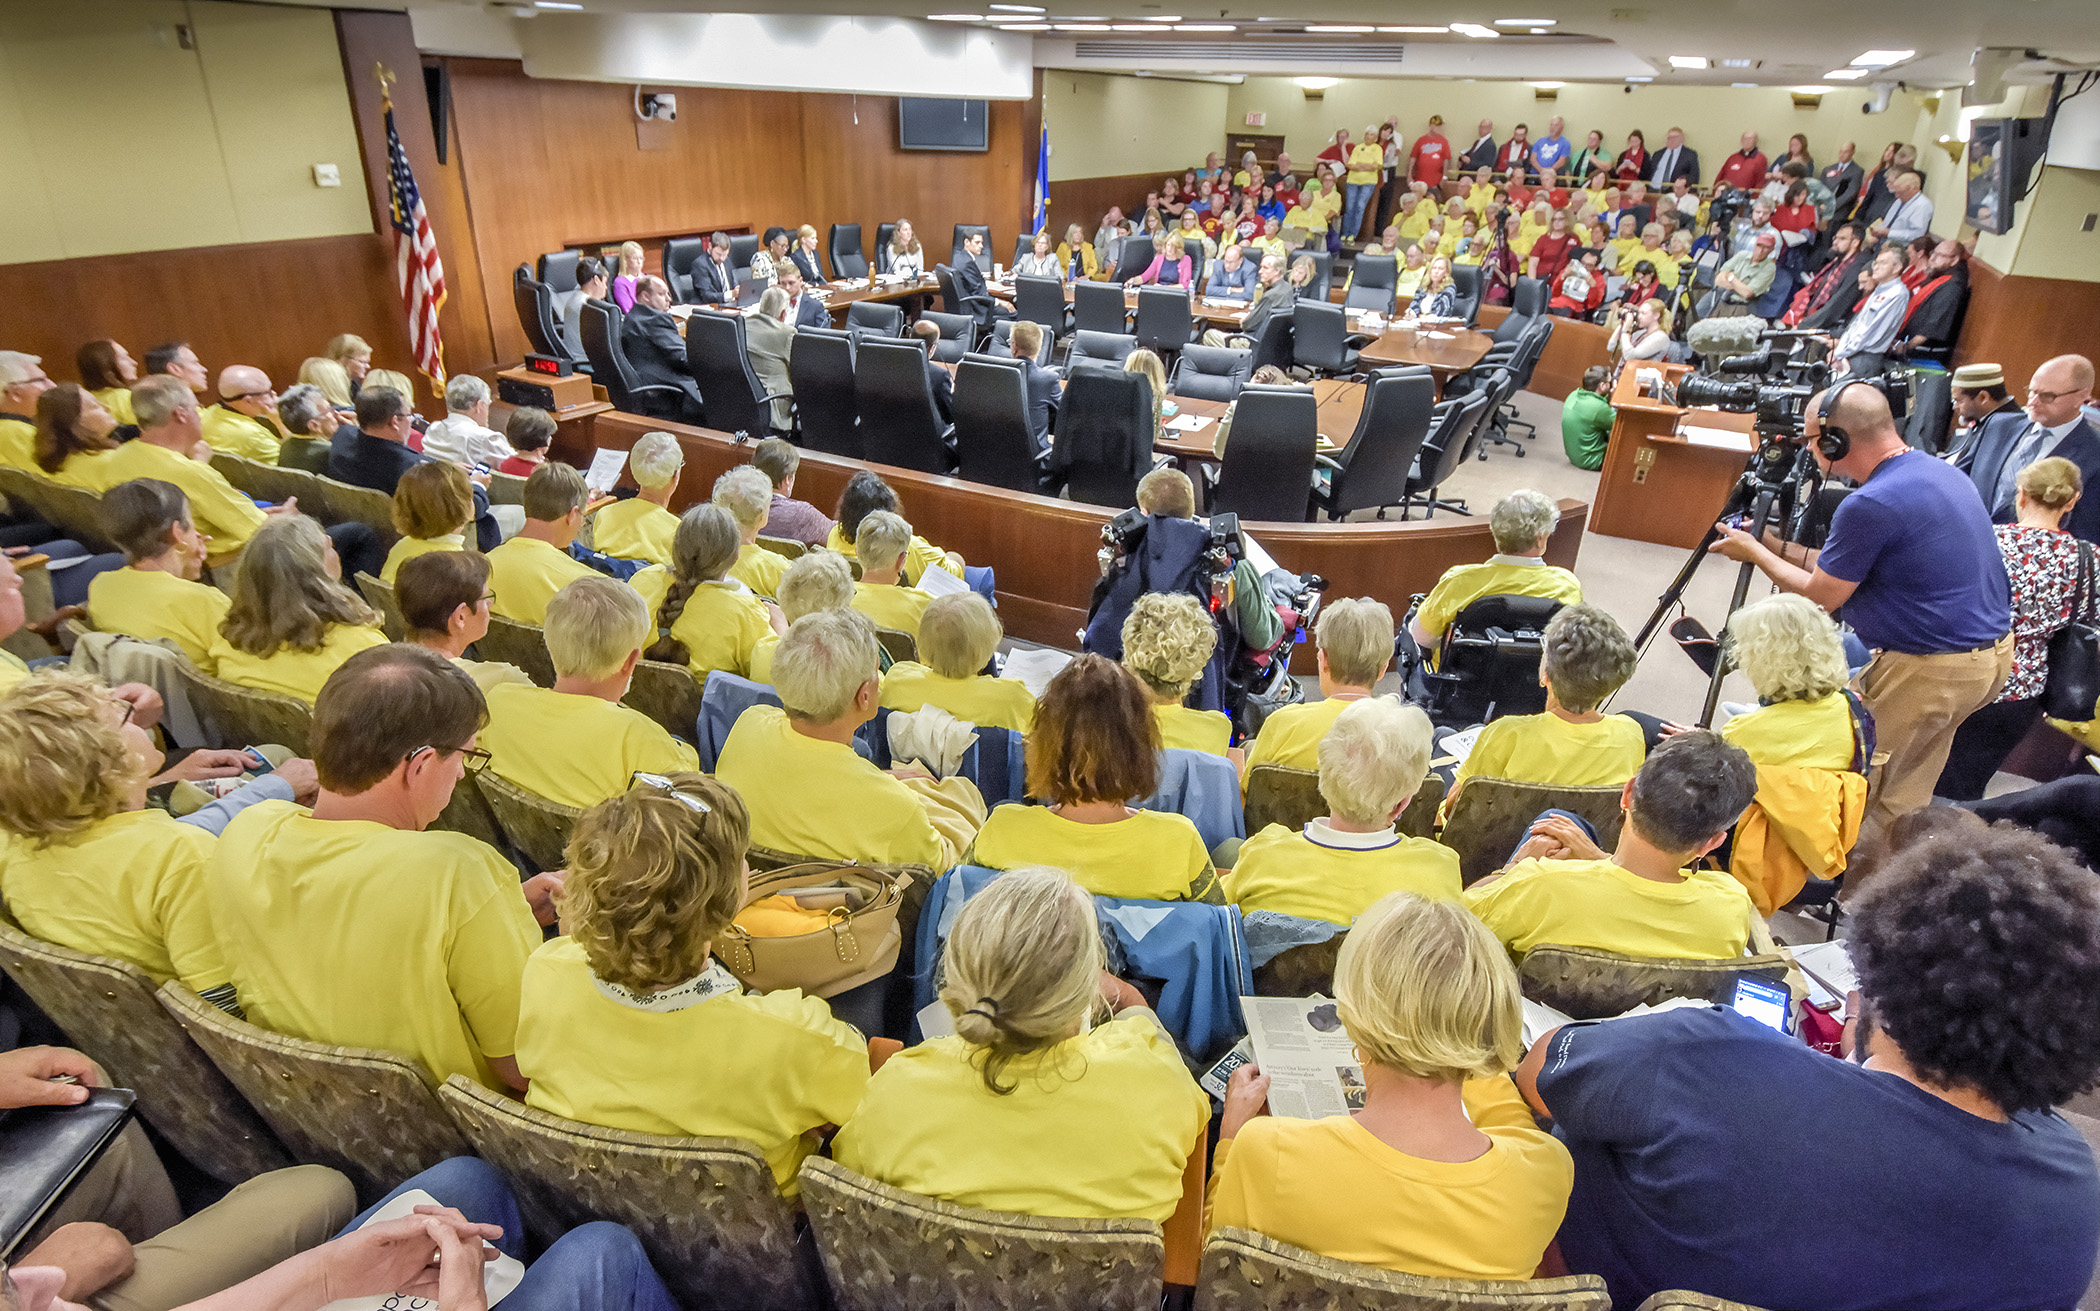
x,y
1657,485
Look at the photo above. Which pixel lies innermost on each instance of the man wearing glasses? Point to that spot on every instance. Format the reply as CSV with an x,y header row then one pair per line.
x,y
2056,425
243,423
350,924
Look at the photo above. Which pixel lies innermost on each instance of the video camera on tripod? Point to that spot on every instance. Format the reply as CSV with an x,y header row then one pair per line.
x,y
1765,372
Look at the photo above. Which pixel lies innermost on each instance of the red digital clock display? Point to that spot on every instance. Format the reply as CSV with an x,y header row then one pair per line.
x,y
546,364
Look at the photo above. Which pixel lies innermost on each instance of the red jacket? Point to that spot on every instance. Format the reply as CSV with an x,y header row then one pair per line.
x,y
1744,172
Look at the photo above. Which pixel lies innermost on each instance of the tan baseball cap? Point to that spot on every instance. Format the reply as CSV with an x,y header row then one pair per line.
x,y
1975,377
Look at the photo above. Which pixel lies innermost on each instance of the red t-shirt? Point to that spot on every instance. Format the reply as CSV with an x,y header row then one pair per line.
x,y
1211,225
1744,172
1552,254
1795,218
518,466
1429,155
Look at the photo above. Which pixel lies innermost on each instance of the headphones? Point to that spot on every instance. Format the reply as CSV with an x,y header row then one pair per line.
x,y
1834,443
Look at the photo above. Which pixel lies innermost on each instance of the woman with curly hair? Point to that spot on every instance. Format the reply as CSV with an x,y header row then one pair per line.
x,y
1094,751
866,493
629,1022
1794,656
709,620
292,621
1058,1093
1978,955
1168,639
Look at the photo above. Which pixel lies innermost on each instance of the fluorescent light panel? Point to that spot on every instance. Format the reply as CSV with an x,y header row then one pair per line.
x,y
554,4
1338,27
1205,27
1420,31
1690,61
1017,9
1882,58
1475,30
1847,74
1526,22
955,18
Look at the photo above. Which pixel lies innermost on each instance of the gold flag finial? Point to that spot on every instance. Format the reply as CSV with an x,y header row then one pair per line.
x,y
386,79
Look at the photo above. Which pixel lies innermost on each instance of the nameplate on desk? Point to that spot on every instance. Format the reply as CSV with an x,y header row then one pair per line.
x,y
1721,439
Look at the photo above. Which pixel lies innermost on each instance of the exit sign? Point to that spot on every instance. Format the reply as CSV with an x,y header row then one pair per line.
x,y
1257,120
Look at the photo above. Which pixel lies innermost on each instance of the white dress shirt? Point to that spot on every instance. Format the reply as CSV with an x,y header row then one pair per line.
x,y
457,438
1874,324
1908,220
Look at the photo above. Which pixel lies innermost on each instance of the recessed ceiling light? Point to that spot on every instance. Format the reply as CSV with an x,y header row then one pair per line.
x,y
1017,9
1737,63
1640,79
1131,27
955,18
1474,30
1538,31
1847,74
1882,58
554,4
1317,83
1689,61
1024,27
1813,90
1205,27
1338,27
1423,31
1162,18
1743,84
1526,22
1549,86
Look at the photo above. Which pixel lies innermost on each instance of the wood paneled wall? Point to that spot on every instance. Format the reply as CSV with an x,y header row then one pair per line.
x,y
1085,200
550,163
2021,322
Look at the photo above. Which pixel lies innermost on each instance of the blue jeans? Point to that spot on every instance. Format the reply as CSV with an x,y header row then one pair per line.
x,y
594,1267
70,586
1588,829
1356,198
979,577
1857,656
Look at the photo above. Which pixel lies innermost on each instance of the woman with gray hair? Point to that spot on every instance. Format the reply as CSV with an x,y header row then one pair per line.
x,y
1522,523
747,493
309,421
768,340
816,580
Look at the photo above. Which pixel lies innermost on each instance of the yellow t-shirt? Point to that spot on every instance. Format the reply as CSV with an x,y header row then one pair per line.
x,y
1545,748
763,1067
81,469
239,434
1412,226
575,750
525,573
865,814
1291,736
759,569
129,886
1266,246
1197,730
491,674
117,400
762,657
720,624
1813,734
1330,1186
982,700
1099,1126
1365,159
151,604
289,671
635,529
1479,199
1498,575
892,605
359,935
218,511
1152,854
12,670
408,548
1596,904
917,556
17,444
1310,875
1619,246
1313,220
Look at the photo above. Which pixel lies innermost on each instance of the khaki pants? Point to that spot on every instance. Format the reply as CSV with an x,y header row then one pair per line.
x,y
1238,341
1918,702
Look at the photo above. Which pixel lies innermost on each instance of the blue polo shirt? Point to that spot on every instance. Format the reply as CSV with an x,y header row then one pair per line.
x,y
1714,1154
1551,152
1918,541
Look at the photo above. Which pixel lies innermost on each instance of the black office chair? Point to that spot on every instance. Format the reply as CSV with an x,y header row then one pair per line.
x,y
1109,348
716,350
978,308
884,234
536,313
1453,426
680,254
1527,305
1104,437
1488,661
1024,245
1501,385
1466,278
1134,258
1164,323
899,423
962,234
884,320
1373,284
1531,349
1272,343
1042,300
1000,345
741,248
1268,466
1211,373
1372,469
847,261
993,443
958,335
820,365
1099,307
1322,284
557,268
1321,340
610,369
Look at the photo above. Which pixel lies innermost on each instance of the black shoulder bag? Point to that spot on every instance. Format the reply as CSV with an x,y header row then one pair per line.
x,y
2074,653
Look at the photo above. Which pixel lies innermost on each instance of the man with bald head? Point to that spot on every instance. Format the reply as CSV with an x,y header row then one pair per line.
x,y
1483,152
243,421
1914,562
2055,425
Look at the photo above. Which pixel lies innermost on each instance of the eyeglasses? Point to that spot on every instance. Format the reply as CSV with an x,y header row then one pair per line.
x,y
474,758
2047,396
252,395
488,598
670,789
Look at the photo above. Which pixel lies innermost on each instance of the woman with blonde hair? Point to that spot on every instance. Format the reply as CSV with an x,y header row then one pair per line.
x,y
632,266
1145,362
1057,1095
292,621
1794,657
354,353
1077,257
332,378
628,1021
815,580
958,636
709,620
903,254
1437,297
1093,751
433,504
1170,266
805,256
1441,1171
1168,640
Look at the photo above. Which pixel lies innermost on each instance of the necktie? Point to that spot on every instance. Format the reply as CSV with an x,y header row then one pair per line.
x,y
1667,166
2026,449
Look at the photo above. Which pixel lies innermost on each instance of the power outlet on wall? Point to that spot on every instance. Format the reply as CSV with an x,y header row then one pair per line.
x,y
327,175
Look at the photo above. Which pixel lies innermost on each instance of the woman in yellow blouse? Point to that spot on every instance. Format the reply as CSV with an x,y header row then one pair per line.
x,y
433,504
1089,266
958,636
1094,750
1168,640
108,370
292,621
156,596
1441,1172
1057,1095
709,620
627,1021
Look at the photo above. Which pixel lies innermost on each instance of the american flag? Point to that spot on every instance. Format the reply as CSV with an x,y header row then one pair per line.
x,y
416,264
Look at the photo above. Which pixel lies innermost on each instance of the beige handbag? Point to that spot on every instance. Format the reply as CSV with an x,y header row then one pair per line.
x,y
860,943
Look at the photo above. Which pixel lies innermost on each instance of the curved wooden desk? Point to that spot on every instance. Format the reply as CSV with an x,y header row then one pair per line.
x,y
1044,549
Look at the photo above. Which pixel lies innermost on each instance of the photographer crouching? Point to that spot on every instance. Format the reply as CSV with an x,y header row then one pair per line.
x,y
1912,561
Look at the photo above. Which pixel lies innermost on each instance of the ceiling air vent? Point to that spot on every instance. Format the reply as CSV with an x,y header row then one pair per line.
x,y
1244,48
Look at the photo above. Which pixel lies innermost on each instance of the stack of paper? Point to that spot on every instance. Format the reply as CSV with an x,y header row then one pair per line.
x,y
936,581
1187,423
1034,666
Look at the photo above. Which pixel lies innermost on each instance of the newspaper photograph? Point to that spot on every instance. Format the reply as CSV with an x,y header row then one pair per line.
x,y
1311,1063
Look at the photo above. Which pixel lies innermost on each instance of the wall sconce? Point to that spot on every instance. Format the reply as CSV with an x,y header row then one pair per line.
x,y
1953,146
1546,90
1315,88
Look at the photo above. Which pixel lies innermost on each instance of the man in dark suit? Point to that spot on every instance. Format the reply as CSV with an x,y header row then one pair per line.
x,y
938,380
714,282
1039,382
1278,295
2055,424
972,290
804,310
656,351
374,453
1482,153
1844,179
1675,160
1982,407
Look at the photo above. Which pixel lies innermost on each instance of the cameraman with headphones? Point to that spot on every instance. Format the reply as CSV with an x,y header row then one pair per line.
x,y
1915,565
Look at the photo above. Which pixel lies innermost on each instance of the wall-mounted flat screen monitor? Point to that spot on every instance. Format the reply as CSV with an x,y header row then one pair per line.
x,y
924,123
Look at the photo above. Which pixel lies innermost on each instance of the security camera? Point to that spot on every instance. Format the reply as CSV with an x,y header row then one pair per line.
x,y
1879,102
498,9
659,105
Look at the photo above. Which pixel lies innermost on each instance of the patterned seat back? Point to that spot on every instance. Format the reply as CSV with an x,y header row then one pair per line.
x,y
536,828
1245,1271
1586,984
1492,815
512,643
236,716
380,596
1279,794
